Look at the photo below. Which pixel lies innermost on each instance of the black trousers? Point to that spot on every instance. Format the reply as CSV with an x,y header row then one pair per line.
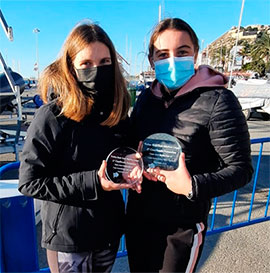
x,y
154,248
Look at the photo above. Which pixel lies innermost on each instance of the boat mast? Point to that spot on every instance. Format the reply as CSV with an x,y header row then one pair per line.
x,y
161,10
236,42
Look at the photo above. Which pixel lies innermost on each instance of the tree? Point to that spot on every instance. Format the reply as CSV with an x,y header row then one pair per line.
x,y
260,51
245,51
219,56
256,66
260,54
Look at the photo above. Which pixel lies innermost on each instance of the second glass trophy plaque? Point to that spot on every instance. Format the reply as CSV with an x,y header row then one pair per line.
x,y
161,150
123,166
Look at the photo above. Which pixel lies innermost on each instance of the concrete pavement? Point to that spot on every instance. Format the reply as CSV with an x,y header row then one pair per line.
x,y
242,250
246,249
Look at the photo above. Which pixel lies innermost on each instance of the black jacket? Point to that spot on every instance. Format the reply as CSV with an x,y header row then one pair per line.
x,y
59,165
213,133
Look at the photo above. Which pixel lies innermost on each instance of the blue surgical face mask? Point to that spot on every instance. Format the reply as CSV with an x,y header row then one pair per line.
x,y
174,72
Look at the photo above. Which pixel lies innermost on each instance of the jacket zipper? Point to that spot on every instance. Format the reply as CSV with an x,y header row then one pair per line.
x,y
48,240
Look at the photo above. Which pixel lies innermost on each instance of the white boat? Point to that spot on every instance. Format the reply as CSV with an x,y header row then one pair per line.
x,y
254,96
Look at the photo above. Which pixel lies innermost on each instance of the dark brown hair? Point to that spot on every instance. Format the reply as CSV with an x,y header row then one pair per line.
x,y
172,23
60,76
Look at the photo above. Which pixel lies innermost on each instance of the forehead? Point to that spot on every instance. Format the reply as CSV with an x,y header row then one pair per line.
x,y
94,50
172,39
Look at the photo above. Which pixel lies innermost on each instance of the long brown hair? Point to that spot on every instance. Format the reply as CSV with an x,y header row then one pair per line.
x,y
61,78
172,23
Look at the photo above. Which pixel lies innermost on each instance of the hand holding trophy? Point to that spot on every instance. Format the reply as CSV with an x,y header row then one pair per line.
x,y
123,166
164,161
161,151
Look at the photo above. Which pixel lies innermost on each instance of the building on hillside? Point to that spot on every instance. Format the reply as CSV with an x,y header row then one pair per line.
x,y
220,52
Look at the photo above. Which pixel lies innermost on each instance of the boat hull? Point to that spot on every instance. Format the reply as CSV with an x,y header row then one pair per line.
x,y
6,93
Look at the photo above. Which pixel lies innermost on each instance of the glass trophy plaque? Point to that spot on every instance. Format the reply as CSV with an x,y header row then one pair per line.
x,y
123,166
161,150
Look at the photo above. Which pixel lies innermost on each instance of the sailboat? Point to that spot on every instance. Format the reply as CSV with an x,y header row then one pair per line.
x,y
254,96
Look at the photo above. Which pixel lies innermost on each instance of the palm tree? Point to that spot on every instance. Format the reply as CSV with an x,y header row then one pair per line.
x,y
219,56
245,51
260,54
261,49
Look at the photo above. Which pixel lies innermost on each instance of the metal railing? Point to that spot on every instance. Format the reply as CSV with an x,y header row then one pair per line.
x,y
248,221
213,214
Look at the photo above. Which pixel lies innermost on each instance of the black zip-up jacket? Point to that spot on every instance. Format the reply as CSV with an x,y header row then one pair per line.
x,y
59,165
213,133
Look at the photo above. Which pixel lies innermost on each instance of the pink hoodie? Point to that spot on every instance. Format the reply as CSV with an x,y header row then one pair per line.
x,y
204,76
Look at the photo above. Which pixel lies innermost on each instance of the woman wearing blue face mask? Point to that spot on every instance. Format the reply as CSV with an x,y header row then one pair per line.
x,y
167,221
83,119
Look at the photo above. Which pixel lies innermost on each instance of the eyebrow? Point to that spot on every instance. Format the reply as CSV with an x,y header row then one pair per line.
x,y
180,47
90,60
85,60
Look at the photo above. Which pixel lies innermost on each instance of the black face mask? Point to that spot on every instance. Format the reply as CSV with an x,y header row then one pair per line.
x,y
96,81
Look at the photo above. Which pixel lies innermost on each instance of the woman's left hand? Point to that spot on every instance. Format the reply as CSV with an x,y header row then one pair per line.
x,y
178,181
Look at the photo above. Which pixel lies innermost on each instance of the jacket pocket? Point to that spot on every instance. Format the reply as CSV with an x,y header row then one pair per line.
x,y
55,224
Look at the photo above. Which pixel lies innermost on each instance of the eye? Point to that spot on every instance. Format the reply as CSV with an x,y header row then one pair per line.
x,y
106,61
182,53
86,64
162,55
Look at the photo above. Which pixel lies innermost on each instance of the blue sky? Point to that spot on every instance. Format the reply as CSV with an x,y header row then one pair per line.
x,y
128,23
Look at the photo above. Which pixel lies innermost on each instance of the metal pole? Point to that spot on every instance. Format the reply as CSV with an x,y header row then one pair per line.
x,y
8,30
36,31
236,43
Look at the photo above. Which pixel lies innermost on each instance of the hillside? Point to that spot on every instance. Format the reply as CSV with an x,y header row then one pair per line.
x,y
219,51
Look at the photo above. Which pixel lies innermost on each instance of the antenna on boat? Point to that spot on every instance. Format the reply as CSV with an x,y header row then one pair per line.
x,y
236,42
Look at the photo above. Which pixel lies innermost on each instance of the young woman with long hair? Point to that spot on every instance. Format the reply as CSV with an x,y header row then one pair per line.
x,y
85,117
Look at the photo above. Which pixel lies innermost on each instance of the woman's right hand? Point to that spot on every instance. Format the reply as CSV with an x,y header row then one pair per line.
x,y
178,181
108,185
